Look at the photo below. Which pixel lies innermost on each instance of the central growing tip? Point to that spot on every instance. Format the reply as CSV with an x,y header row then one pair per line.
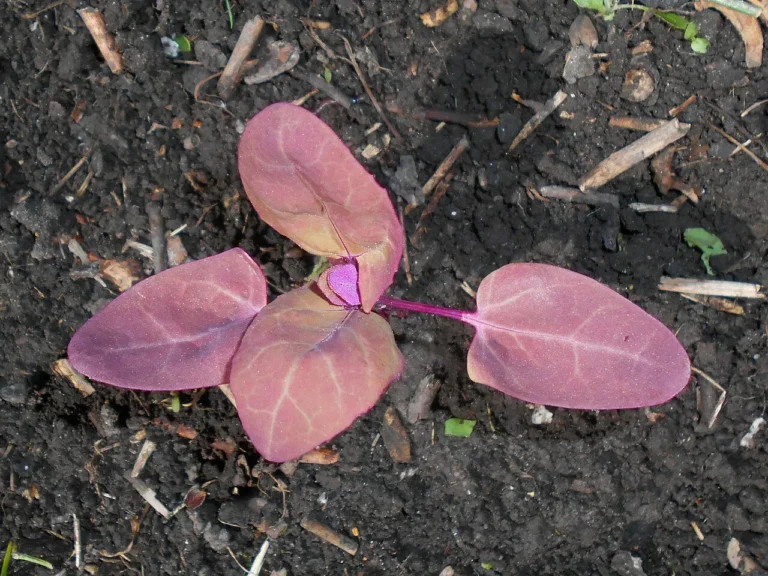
x,y
340,283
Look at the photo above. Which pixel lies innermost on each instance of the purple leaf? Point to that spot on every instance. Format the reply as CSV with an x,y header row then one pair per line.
x,y
306,184
340,284
176,330
550,336
306,369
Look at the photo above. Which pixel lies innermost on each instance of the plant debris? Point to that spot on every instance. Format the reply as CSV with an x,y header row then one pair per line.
x,y
709,244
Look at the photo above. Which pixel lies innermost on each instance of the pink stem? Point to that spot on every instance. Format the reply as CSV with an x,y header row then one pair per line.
x,y
396,303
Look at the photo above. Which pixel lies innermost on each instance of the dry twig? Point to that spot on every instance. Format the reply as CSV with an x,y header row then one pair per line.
x,y
445,165
233,71
94,21
740,146
368,91
634,123
157,234
642,148
60,184
551,105
578,197
722,288
330,535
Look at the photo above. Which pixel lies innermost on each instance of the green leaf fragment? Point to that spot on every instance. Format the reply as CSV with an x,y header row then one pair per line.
x,y
321,265
175,403
9,551
184,44
327,75
690,31
597,5
33,560
459,427
676,21
700,45
487,565
709,244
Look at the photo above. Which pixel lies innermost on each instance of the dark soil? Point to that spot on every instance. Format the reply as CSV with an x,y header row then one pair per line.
x,y
571,497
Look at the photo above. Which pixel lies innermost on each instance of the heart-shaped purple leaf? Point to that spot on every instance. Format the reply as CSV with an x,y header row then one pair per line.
x,y
176,330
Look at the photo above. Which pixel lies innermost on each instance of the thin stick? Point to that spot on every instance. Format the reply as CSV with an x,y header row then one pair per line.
x,y
421,228
149,496
329,89
64,369
330,535
720,401
633,123
78,547
33,15
578,197
643,208
469,120
258,562
233,71
677,110
141,460
445,165
157,234
642,148
368,91
243,568
104,40
712,288
550,106
753,107
740,146
60,184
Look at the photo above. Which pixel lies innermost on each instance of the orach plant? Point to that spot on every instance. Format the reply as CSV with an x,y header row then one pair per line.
x,y
305,366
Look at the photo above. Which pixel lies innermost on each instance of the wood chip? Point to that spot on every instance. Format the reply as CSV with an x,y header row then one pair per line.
x,y
438,16
322,456
227,391
722,288
577,196
330,535
283,56
395,437
420,404
186,432
720,304
740,561
233,71
697,531
748,440
104,40
636,123
123,274
64,369
177,254
370,152
642,148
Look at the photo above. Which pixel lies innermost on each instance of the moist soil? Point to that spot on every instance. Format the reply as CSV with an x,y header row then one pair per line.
x,y
584,494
